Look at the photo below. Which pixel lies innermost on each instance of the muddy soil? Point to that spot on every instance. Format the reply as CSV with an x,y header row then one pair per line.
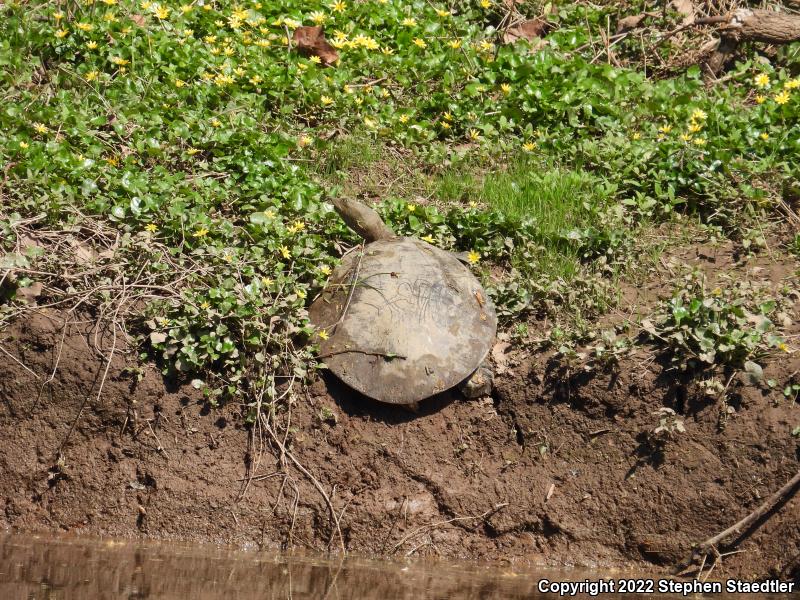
x,y
557,468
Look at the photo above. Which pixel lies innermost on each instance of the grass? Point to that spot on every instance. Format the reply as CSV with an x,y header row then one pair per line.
x,y
557,202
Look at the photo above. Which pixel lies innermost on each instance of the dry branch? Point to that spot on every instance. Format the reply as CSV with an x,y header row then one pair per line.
x,y
744,527
751,25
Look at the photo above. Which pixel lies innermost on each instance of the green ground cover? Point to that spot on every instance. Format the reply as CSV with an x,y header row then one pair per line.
x,y
197,147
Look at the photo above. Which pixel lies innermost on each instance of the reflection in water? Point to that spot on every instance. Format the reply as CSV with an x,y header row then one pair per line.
x,y
35,568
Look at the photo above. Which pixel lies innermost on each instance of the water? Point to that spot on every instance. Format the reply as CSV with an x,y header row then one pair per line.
x,y
38,568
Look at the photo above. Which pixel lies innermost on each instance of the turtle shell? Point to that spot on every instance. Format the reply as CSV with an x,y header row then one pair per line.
x,y
405,320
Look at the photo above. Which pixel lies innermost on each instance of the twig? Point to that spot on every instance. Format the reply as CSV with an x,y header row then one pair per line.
x,y
388,355
353,283
16,360
424,528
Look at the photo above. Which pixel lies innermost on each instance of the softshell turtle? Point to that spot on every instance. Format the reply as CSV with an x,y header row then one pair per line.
x,y
402,319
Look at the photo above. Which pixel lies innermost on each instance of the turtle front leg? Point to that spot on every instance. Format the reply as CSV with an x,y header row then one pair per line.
x,y
478,384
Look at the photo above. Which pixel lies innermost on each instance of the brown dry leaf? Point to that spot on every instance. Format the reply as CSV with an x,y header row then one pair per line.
x,y
30,293
310,41
500,357
84,253
138,19
530,30
27,242
630,22
684,7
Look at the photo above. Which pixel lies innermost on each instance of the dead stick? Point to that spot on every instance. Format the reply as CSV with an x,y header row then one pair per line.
x,y
784,492
710,545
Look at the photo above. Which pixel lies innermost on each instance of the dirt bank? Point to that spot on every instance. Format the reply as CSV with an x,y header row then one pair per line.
x,y
555,469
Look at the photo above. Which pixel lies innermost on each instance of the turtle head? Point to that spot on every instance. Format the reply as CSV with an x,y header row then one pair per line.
x,y
362,219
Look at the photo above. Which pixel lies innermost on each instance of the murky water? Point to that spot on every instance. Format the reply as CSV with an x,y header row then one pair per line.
x,y
34,568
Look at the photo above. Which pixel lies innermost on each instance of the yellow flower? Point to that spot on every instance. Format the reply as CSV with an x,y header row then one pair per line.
x,y
193,151
204,305
285,252
636,136
409,22
764,136
315,59
505,88
84,26
783,97
151,227
403,118
146,5
665,129
24,145
442,13
338,6
201,232
325,270
686,137
317,17
760,99
39,128
700,141
473,257
485,3
411,207
179,83
326,100
420,42
427,238
186,8
783,346
215,122
58,16
323,335
529,146
266,281
474,134
485,46
387,51
699,115
454,44
91,45
445,125
119,61
762,80
91,75
255,79
695,127
162,12
61,33
792,83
